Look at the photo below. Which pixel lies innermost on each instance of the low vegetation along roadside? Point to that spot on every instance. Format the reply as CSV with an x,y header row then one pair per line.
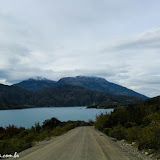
x,y
14,139
138,124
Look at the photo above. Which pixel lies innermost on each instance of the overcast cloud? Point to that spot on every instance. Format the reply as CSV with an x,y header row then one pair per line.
x,y
118,40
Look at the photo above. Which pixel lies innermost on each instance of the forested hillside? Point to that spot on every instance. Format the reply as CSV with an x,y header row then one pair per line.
x,y
138,123
66,95
59,95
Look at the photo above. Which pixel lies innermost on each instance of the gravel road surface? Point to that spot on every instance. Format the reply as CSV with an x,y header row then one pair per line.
x,y
82,143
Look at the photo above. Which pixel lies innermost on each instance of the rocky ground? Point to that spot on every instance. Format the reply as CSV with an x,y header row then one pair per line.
x,y
132,149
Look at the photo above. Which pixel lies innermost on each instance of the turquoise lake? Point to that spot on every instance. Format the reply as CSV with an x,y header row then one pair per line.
x,y
28,117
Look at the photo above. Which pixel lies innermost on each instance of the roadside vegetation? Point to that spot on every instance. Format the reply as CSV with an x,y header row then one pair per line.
x,y
137,123
14,139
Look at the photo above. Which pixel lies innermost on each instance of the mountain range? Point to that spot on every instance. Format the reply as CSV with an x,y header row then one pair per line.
x,y
91,83
69,91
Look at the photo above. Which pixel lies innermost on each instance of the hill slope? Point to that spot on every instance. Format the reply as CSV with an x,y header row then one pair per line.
x,y
98,84
60,95
13,97
66,95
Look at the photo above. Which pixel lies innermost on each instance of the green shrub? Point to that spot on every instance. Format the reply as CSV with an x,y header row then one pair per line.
x,y
130,124
106,130
90,122
118,132
153,117
51,123
133,134
101,121
17,139
150,136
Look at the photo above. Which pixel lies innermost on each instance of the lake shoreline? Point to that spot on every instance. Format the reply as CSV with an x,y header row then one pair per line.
x,y
42,107
29,116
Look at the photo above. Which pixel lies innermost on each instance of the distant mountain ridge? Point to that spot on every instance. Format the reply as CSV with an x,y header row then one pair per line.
x,y
91,83
99,84
36,84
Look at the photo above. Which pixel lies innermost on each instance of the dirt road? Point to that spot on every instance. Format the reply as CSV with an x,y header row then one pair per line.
x,y
82,143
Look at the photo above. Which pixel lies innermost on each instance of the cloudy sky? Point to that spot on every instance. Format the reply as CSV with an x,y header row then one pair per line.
x,y
118,40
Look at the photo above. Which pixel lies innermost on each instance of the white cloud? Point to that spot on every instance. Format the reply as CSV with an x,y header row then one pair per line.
x,y
115,40
3,81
